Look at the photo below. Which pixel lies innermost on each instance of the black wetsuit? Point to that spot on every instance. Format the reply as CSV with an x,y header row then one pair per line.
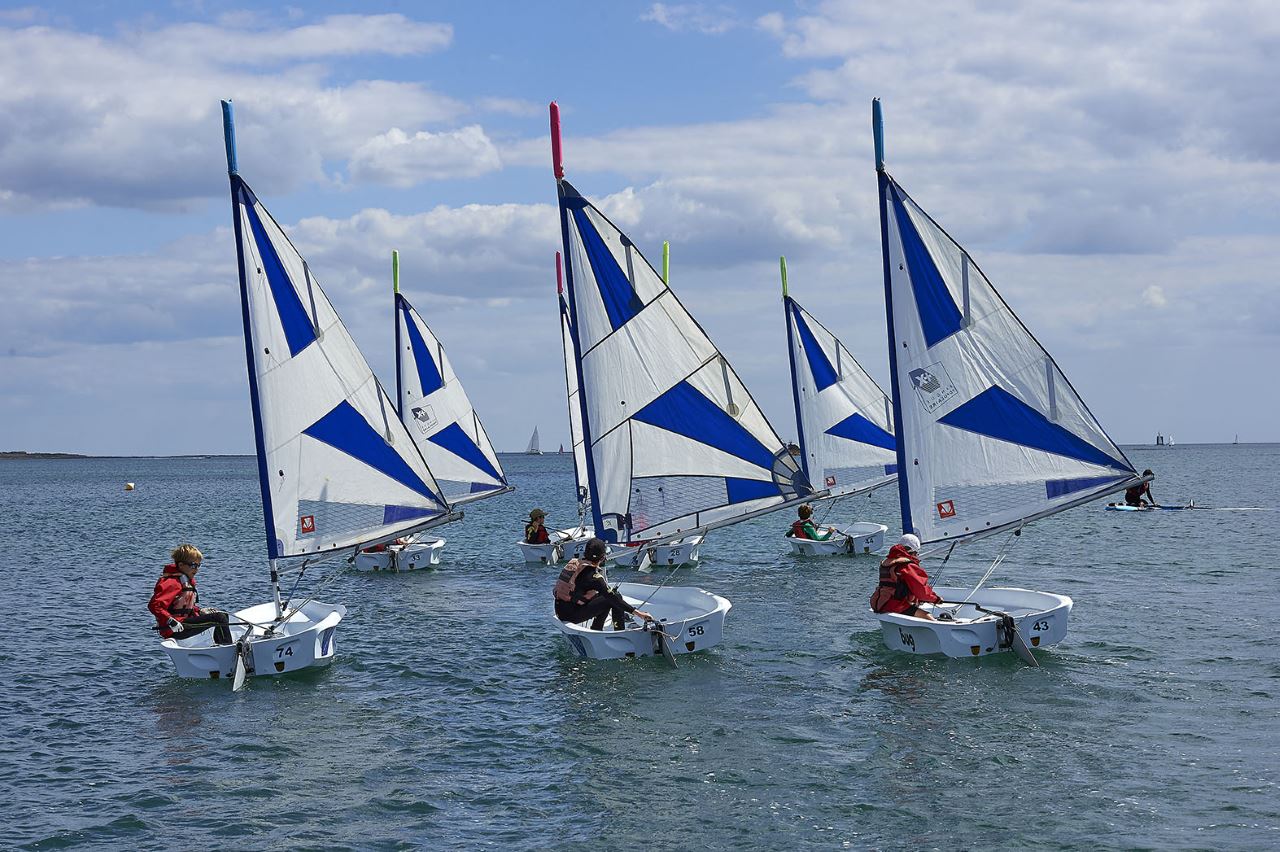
x,y
603,603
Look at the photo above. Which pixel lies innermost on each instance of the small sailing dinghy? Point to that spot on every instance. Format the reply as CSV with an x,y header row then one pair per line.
x,y
440,419
337,468
990,434
686,620
845,423
673,444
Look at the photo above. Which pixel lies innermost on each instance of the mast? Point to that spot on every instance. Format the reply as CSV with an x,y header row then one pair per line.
x,y
882,178
395,320
233,174
795,377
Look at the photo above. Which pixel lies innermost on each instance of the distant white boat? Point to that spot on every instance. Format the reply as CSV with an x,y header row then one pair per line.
x,y
535,446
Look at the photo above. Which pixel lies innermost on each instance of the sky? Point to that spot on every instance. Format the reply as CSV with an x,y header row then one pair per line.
x,y
1114,169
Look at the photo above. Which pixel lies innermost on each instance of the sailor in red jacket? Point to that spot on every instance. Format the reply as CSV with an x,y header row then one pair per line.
x,y
173,602
904,585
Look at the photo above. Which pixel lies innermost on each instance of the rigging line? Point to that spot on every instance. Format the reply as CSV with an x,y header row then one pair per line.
x,y
658,587
1000,557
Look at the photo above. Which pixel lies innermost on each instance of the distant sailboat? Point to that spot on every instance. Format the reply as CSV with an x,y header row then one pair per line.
x,y
535,446
845,425
990,434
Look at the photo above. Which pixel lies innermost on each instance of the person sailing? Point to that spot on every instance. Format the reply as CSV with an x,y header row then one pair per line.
x,y
582,592
173,602
904,585
805,528
535,532
1135,496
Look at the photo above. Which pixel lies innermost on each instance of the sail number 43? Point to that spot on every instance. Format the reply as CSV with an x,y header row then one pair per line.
x,y
1040,626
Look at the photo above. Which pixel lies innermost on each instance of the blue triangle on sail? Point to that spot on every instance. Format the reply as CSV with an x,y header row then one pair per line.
x,y
345,430
855,427
999,414
396,514
742,490
298,330
824,375
477,487
1061,487
621,302
685,411
890,469
428,373
939,316
453,439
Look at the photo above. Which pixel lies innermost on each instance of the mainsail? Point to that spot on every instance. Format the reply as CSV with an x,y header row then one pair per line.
x,y
535,446
843,417
990,433
336,465
576,437
674,442
437,413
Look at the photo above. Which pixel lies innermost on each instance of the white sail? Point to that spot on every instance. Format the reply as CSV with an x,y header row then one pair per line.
x,y
674,441
990,433
337,466
438,415
535,446
576,437
843,417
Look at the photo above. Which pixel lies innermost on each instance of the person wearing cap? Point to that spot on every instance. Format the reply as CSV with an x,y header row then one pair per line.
x,y
1134,496
805,528
534,531
173,602
581,592
904,585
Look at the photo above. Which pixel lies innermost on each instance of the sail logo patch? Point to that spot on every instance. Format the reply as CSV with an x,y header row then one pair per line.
x,y
307,523
830,481
946,509
933,385
424,415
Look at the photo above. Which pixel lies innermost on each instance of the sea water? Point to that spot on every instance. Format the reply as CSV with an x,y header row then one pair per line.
x,y
455,717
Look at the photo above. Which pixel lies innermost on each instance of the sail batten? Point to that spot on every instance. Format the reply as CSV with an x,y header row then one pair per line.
x,y
991,434
846,435
335,469
438,415
672,439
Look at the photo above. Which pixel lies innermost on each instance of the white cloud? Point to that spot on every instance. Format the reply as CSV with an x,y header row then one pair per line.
x,y
1154,296
398,159
693,17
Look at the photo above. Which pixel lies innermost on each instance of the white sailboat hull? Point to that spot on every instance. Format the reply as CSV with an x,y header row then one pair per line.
x,y
565,544
402,557
858,538
1041,618
692,618
682,551
305,640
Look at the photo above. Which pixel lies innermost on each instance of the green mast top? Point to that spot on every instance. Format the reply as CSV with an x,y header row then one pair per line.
x,y
782,264
395,271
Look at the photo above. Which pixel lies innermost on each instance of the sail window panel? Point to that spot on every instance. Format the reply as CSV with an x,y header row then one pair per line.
x,y
658,499
640,362
842,480
611,458
717,516
645,281
737,404
660,452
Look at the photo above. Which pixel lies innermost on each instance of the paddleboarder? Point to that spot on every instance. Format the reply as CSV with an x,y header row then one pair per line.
x,y
1140,494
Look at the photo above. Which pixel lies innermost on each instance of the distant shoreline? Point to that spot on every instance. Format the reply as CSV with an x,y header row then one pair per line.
x,y
18,455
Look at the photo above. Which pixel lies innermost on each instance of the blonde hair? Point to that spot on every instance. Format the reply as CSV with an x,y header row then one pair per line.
x,y
186,553
805,511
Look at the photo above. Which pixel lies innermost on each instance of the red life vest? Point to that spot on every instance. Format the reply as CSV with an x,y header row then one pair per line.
x,y
894,594
536,534
797,530
182,604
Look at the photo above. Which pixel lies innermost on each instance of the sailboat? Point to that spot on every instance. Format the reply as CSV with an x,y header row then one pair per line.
x,y
440,419
535,446
337,469
990,434
673,444
845,424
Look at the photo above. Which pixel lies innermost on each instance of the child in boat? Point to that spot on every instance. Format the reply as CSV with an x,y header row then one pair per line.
x,y
904,585
1134,496
805,528
534,531
173,602
581,592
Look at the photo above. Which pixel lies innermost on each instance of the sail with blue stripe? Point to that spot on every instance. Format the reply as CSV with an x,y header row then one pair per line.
x,y
439,416
576,438
844,419
337,467
673,442
990,432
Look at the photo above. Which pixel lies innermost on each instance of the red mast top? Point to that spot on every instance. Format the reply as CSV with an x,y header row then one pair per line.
x,y
557,163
